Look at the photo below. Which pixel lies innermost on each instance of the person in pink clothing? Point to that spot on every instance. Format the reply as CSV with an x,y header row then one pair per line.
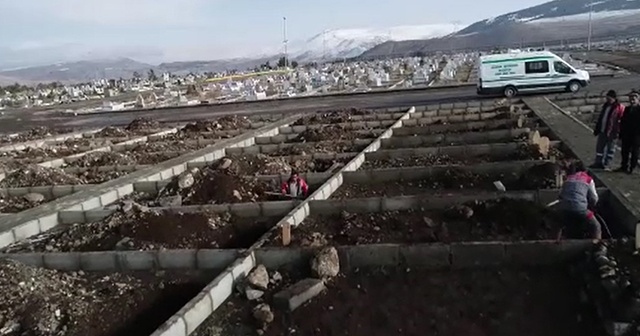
x,y
295,186
578,197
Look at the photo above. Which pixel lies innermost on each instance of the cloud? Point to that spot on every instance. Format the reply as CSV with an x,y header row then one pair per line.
x,y
113,12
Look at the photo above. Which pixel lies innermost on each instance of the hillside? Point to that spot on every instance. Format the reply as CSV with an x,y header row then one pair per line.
x,y
550,22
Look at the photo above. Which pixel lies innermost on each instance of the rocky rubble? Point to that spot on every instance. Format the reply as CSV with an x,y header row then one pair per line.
x,y
490,220
220,182
14,204
136,227
258,164
332,117
112,132
33,134
142,124
40,153
232,122
319,147
96,159
34,175
41,302
268,295
611,276
327,133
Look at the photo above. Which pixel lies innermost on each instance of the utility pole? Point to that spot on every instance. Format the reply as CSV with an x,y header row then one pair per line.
x,y
590,26
285,41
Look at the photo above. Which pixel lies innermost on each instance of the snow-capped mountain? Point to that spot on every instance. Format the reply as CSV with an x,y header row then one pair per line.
x,y
346,43
552,22
558,11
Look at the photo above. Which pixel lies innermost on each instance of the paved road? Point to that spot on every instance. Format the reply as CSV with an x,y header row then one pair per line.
x,y
13,121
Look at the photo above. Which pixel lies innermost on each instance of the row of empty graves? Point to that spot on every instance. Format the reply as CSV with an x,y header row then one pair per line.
x,y
419,220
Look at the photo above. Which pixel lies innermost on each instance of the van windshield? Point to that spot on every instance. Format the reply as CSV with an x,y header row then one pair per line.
x,y
561,67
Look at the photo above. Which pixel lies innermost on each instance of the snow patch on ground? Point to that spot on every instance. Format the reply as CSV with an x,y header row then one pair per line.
x,y
585,16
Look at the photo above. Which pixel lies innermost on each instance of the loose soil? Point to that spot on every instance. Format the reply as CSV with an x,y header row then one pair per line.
x,y
41,153
332,133
94,176
167,144
332,117
36,176
41,302
319,147
541,176
382,302
36,133
91,142
492,220
524,153
144,229
216,185
232,122
97,159
15,204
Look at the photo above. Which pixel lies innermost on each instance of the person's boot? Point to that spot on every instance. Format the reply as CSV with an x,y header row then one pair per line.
x,y
622,169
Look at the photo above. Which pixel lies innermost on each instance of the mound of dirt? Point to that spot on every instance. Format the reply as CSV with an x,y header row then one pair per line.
x,y
96,159
259,164
112,132
232,122
216,184
143,124
332,117
329,132
35,176
33,134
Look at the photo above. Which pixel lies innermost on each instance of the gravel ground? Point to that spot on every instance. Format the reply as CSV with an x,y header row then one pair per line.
x,y
538,177
41,154
142,229
372,302
40,302
494,220
15,204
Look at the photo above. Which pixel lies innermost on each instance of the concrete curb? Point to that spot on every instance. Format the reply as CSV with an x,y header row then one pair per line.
x,y
185,321
45,217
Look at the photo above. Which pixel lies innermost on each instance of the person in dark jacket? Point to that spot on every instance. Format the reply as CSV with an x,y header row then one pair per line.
x,y
630,134
607,130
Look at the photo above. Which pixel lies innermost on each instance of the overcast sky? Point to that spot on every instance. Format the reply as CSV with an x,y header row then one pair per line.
x,y
38,31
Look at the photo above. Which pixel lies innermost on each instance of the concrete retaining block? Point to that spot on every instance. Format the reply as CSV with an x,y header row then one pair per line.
x,y
426,256
469,255
373,255
98,261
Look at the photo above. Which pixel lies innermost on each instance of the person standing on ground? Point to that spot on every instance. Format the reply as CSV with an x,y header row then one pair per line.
x,y
607,130
630,134
578,197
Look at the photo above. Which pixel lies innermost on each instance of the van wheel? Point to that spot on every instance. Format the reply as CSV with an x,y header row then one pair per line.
x,y
510,91
574,86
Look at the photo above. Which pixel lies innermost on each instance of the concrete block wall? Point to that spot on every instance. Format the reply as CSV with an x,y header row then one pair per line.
x,y
49,192
460,127
266,149
467,138
45,217
416,173
198,309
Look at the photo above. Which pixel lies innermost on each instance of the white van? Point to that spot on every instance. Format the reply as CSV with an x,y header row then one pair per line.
x,y
515,72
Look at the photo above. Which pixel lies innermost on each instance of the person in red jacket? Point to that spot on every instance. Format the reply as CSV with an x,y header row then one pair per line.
x,y
295,186
607,130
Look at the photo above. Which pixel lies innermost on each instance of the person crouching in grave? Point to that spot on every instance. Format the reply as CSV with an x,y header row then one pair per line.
x,y
578,197
607,130
295,186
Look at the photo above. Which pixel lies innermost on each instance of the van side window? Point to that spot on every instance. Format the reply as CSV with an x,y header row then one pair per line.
x,y
536,67
562,68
